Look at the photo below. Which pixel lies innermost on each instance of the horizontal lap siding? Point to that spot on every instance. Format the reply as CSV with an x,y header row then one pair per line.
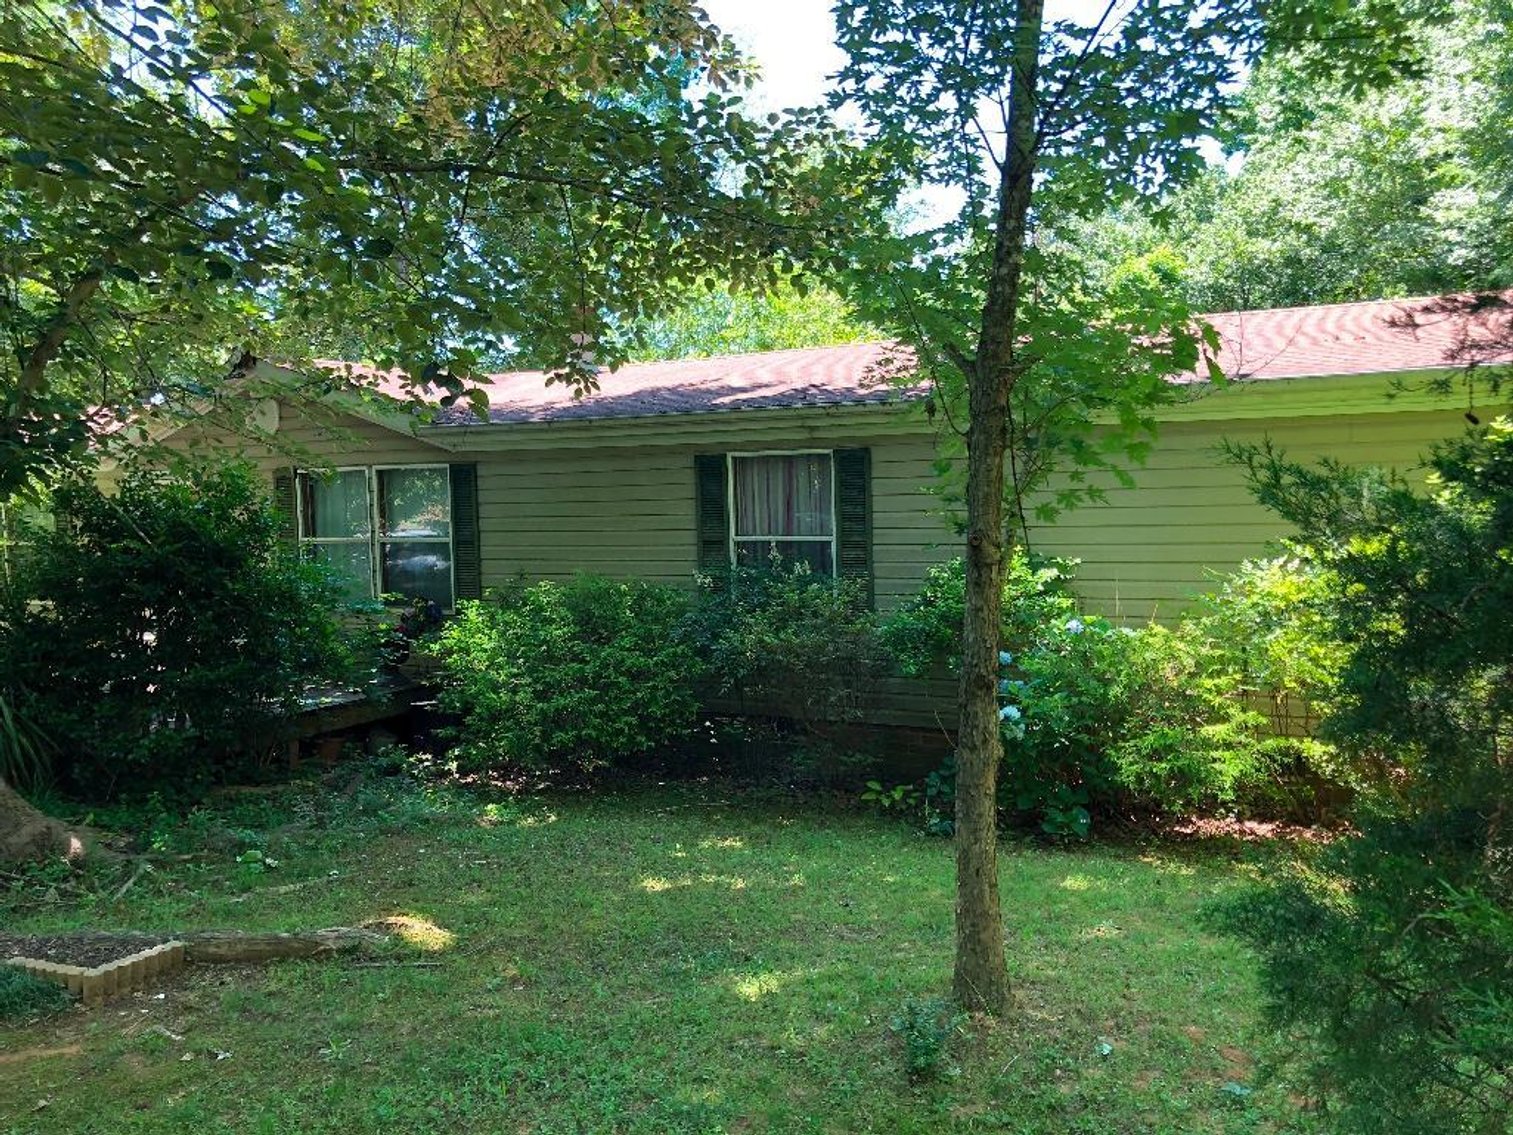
x,y
304,439
629,513
1190,518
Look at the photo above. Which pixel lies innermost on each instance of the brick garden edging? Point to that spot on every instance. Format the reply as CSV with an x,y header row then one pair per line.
x,y
95,984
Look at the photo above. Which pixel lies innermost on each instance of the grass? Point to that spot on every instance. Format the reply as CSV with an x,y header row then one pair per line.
x,y
24,997
676,960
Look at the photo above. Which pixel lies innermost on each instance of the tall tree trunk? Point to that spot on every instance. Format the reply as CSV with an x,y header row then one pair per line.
x,y
981,981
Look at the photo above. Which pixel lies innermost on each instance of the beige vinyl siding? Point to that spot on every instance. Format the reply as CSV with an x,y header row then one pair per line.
x,y
623,511
309,439
629,512
1190,517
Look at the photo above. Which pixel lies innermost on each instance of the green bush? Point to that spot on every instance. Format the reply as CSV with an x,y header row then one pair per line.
x,y
1388,966
577,675
924,634
1096,718
788,642
163,634
1123,719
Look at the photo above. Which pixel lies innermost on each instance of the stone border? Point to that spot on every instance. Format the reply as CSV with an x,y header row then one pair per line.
x,y
96,985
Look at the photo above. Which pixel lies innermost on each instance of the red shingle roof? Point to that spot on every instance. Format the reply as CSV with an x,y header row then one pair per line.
x,y
1334,339
854,374
1375,337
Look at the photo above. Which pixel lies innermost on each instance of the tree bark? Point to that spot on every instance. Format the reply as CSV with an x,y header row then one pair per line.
x,y
26,835
981,980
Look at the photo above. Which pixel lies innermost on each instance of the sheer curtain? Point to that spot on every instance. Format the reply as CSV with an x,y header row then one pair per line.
x,y
783,495
784,510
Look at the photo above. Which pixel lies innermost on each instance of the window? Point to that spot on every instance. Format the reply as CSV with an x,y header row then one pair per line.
x,y
783,504
384,530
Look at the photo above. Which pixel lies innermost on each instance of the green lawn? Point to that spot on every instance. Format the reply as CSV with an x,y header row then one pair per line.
x,y
672,961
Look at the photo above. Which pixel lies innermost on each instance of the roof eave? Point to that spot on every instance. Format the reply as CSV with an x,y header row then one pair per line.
x,y
835,420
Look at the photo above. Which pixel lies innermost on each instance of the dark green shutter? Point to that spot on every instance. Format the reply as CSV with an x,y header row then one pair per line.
x,y
713,513
467,551
853,501
284,488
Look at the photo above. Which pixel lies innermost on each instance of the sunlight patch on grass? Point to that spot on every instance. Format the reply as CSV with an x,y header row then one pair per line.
x,y
729,842
755,986
1166,863
656,884
1076,882
1102,930
421,933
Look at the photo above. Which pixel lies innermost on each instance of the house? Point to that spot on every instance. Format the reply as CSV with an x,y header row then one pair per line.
x,y
673,467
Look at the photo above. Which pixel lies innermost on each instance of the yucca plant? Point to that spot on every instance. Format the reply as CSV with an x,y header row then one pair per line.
x,y
25,751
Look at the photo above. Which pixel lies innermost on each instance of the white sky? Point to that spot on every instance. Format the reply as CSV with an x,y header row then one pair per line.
x,y
794,42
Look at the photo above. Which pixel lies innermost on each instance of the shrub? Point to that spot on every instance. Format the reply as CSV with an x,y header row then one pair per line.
x,y
924,1028
575,675
792,643
163,634
1124,719
925,632
1096,718
1389,965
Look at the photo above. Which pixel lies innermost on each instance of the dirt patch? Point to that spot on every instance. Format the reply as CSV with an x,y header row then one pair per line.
x,y
1250,831
26,1055
76,949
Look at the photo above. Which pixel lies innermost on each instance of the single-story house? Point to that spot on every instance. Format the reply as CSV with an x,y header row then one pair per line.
x,y
671,467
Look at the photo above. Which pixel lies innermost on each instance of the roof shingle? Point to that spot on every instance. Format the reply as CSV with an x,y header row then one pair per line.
x,y
1383,336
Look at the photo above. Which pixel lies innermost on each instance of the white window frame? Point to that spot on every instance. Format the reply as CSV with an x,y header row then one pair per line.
x,y
375,538
835,528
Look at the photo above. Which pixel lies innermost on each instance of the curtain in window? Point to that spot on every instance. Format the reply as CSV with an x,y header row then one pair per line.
x,y
784,495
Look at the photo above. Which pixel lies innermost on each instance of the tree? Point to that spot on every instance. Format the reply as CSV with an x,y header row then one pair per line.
x,y
429,185
723,322
1388,966
1029,122
1333,196
160,636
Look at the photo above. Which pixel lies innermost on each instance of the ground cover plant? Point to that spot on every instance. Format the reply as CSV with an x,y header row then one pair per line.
x,y
639,960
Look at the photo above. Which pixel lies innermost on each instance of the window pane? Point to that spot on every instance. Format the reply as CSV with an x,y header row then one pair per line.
x,y
783,496
353,563
418,570
818,554
413,502
335,505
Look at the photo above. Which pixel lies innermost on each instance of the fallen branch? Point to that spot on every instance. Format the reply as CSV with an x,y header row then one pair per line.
x,y
141,870
287,888
220,946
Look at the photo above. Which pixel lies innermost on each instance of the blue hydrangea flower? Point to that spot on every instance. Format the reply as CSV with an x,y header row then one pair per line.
x,y
1075,626
1004,658
1009,713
